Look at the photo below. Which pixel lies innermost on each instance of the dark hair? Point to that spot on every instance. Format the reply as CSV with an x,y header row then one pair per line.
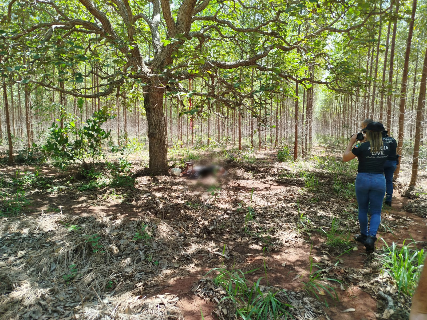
x,y
367,121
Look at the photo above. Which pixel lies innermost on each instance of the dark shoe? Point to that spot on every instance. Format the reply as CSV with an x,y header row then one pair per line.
x,y
370,244
360,238
388,203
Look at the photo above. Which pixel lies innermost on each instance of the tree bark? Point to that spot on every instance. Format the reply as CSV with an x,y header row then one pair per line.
x,y
374,86
240,130
12,111
384,72
153,104
404,85
419,125
118,114
391,69
27,115
296,123
8,128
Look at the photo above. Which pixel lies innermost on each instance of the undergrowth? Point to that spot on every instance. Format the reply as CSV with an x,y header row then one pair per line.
x,y
252,301
404,264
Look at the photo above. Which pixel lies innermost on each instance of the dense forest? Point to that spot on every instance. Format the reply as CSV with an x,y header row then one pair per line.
x,y
101,99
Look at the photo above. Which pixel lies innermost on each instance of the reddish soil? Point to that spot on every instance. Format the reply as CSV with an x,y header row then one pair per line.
x,y
286,268
289,267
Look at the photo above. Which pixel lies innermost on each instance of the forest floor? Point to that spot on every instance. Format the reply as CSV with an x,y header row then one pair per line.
x,y
108,242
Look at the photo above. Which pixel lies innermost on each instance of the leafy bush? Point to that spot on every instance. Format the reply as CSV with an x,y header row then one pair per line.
x,y
13,204
69,143
284,154
32,156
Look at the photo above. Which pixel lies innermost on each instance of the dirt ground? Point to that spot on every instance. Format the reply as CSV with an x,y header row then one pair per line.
x,y
146,249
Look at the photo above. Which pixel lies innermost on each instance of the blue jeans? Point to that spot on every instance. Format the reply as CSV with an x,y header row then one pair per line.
x,y
389,167
370,189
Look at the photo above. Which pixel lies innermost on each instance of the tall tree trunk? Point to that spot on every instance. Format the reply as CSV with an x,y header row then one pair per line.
x,y
374,86
310,104
118,114
259,131
276,139
1,129
19,109
8,128
391,68
419,125
27,115
240,130
411,130
62,102
384,72
367,84
304,123
125,117
153,104
404,86
11,111
296,123
368,95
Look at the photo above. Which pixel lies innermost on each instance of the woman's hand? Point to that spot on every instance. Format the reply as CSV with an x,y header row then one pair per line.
x,y
348,155
353,139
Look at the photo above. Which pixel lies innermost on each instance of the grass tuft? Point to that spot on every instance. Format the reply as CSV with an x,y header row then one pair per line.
x,y
404,265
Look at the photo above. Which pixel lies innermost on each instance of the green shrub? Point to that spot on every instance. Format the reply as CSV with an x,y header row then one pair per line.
x,y
69,143
284,154
337,238
404,265
251,301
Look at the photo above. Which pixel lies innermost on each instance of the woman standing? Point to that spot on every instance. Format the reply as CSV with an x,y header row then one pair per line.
x,y
370,181
390,166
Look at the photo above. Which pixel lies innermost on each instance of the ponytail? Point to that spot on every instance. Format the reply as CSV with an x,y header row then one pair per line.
x,y
376,140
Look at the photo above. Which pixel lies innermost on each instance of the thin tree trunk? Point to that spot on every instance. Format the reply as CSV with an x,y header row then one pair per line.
x,y
240,130
296,123
118,114
365,96
125,118
371,63
304,123
19,109
61,101
276,140
11,111
1,129
374,87
404,85
419,124
259,131
27,115
411,130
391,69
384,72
8,127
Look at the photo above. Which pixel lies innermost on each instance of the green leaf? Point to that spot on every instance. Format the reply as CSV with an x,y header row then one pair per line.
x,y
80,102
